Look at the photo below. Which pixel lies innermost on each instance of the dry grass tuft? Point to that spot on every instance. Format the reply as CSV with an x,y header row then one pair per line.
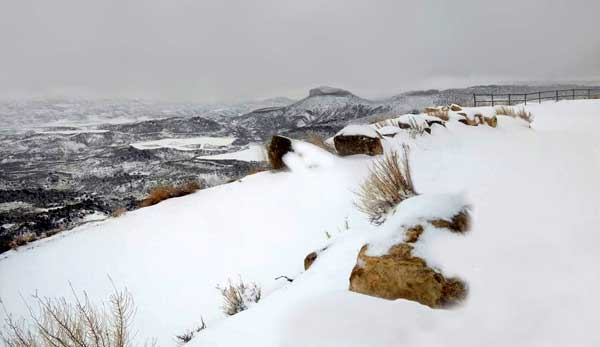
x,y
319,141
438,112
237,297
388,184
511,112
165,192
118,212
56,322
22,239
416,128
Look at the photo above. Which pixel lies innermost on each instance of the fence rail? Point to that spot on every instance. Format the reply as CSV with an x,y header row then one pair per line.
x,y
517,98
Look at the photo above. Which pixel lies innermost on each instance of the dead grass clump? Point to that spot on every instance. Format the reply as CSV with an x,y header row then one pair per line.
x,y
416,128
388,184
237,297
165,192
22,239
512,112
118,212
56,322
438,112
319,141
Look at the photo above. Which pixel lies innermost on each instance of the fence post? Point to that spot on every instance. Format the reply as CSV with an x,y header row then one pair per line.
x,y
474,100
557,95
589,96
573,90
492,95
525,98
540,97
509,100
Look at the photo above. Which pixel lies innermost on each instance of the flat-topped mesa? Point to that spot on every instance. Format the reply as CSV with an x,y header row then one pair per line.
x,y
321,91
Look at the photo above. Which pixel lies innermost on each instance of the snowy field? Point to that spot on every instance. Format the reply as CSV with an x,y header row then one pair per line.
x,y
187,144
254,152
530,260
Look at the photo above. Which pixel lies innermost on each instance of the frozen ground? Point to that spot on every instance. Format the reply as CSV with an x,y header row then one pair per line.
x,y
530,261
186,144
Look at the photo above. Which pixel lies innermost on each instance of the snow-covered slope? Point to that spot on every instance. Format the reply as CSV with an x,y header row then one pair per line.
x,y
530,260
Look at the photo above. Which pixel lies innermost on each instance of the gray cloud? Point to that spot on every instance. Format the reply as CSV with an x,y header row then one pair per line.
x,y
212,50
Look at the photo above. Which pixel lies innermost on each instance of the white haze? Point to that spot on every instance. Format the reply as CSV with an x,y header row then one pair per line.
x,y
234,49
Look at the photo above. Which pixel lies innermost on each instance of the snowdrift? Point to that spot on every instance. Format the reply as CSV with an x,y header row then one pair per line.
x,y
530,259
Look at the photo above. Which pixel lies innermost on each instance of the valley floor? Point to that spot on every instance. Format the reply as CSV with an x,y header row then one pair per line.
x,y
530,260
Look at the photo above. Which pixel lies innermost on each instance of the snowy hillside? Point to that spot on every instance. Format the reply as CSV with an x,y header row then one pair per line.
x,y
530,260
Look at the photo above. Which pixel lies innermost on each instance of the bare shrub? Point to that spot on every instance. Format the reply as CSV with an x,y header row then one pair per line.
x,y
237,297
22,239
165,192
118,212
56,322
388,184
438,112
189,334
319,141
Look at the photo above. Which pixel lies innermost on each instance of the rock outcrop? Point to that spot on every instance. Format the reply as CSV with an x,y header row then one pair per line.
x,y
399,274
357,144
277,148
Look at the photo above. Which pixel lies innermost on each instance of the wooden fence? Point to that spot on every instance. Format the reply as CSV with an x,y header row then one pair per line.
x,y
517,98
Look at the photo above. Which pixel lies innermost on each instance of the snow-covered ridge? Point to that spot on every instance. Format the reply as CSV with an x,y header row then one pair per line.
x,y
527,260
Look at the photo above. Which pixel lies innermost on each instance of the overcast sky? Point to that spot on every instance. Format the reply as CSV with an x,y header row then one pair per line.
x,y
221,50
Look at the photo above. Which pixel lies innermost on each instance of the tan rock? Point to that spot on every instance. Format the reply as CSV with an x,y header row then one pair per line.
x,y
412,234
459,223
455,108
491,121
399,275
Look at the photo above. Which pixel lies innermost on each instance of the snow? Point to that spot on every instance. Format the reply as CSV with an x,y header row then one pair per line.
x,y
254,152
413,211
530,260
358,129
187,144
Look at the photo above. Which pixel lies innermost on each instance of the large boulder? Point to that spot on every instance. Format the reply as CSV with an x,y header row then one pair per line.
x,y
400,275
277,148
358,139
394,272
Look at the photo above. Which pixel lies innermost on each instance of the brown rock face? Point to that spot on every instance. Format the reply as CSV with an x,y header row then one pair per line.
x,y
455,108
357,144
399,275
277,148
460,223
412,235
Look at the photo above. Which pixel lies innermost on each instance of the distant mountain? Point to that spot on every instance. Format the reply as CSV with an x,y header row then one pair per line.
x,y
323,106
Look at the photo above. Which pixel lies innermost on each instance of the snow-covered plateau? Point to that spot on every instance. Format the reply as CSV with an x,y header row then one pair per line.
x,y
530,260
